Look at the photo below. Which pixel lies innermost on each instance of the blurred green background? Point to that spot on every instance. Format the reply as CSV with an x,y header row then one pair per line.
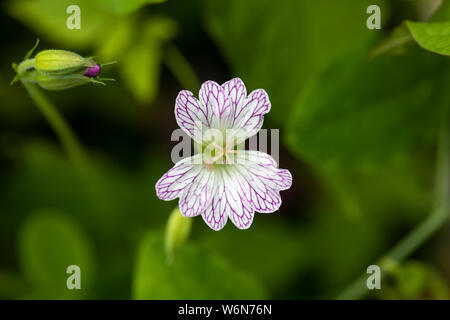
x,y
358,134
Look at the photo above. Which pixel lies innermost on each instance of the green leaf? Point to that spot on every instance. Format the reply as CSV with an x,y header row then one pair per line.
x,y
116,42
434,36
279,47
124,7
48,19
140,70
194,274
49,242
366,112
141,64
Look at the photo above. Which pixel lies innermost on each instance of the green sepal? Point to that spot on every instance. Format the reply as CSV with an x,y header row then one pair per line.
x,y
56,82
30,52
104,79
107,63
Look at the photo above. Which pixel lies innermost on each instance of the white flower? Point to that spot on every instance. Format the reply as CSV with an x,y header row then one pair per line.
x,y
223,180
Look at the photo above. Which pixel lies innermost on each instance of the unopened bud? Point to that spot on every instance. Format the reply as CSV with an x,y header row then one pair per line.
x,y
177,231
58,69
61,62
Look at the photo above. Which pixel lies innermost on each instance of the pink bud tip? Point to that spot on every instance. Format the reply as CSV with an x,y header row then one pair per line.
x,y
93,71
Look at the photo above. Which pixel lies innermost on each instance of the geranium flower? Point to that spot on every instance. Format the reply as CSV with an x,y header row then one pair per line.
x,y
222,180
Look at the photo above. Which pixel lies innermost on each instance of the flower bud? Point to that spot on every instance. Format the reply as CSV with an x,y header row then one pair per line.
x,y
177,231
61,62
58,69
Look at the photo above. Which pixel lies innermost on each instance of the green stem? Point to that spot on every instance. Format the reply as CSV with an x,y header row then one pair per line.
x,y
439,215
56,121
181,69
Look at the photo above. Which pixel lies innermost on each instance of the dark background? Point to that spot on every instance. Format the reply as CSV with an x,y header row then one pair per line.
x,y
358,134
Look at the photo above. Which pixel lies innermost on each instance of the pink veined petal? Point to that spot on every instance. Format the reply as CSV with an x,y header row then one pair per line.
x,y
197,196
264,180
241,211
236,91
250,115
174,181
264,166
262,198
216,214
218,106
229,201
191,115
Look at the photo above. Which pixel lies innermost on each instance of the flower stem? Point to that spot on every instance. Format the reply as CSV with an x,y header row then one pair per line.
x,y
439,215
181,69
56,121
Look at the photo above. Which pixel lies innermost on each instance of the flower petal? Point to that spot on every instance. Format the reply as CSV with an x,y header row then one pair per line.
x,y
174,181
242,211
249,115
217,104
216,214
229,201
263,165
190,114
264,180
198,195
236,91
